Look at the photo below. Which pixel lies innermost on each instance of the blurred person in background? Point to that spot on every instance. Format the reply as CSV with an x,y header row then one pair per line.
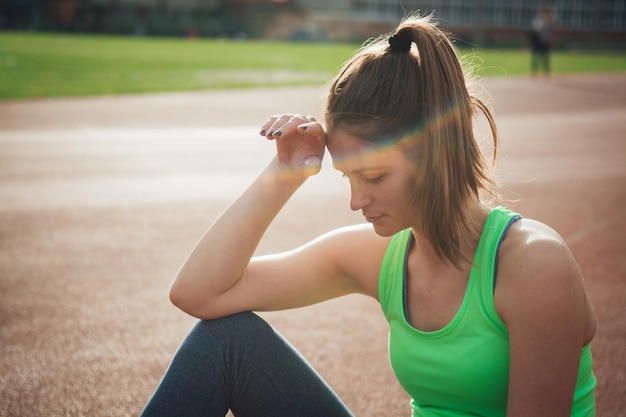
x,y
541,41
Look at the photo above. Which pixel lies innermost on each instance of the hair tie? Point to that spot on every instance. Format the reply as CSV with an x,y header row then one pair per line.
x,y
400,43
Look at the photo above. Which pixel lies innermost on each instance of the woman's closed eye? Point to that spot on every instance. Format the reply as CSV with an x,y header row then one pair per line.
x,y
372,179
375,179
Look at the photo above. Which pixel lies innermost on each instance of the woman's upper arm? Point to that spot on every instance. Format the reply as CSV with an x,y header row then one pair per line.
x,y
541,298
341,262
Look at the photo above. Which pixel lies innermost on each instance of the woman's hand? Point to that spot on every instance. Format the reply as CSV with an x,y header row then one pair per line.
x,y
300,142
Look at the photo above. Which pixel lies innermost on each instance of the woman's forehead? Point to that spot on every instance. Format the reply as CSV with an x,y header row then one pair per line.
x,y
349,153
341,144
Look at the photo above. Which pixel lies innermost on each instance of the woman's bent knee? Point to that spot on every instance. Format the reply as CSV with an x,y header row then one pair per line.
x,y
235,328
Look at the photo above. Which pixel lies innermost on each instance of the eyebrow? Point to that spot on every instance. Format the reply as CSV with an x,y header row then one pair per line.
x,y
359,170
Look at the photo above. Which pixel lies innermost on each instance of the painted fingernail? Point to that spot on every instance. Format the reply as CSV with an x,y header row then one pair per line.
x,y
278,133
262,132
304,127
270,133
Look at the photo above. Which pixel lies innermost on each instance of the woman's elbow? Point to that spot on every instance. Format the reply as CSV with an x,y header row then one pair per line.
x,y
182,299
177,297
188,301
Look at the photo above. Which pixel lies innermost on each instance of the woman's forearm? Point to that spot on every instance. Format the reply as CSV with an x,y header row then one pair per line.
x,y
221,256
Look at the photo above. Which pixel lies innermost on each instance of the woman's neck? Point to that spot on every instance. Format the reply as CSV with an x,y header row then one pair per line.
x,y
468,241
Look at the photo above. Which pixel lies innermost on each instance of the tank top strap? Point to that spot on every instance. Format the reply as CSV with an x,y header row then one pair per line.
x,y
485,266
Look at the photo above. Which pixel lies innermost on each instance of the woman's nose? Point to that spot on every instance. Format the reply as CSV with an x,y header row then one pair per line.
x,y
359,198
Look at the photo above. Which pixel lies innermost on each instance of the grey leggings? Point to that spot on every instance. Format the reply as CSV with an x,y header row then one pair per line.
x,y
241,363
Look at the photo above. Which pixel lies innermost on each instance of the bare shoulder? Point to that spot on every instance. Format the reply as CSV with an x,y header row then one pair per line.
x,y
536,273
534,246
358,252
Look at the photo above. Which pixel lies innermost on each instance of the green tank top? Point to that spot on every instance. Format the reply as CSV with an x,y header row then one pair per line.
x,y
461,369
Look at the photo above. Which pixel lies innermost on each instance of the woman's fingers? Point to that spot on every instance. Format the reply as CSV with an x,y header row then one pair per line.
x,y
300,142
279,125
274,124
312,128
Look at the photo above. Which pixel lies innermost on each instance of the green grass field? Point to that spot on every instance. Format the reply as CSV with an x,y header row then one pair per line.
x,y
53,65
